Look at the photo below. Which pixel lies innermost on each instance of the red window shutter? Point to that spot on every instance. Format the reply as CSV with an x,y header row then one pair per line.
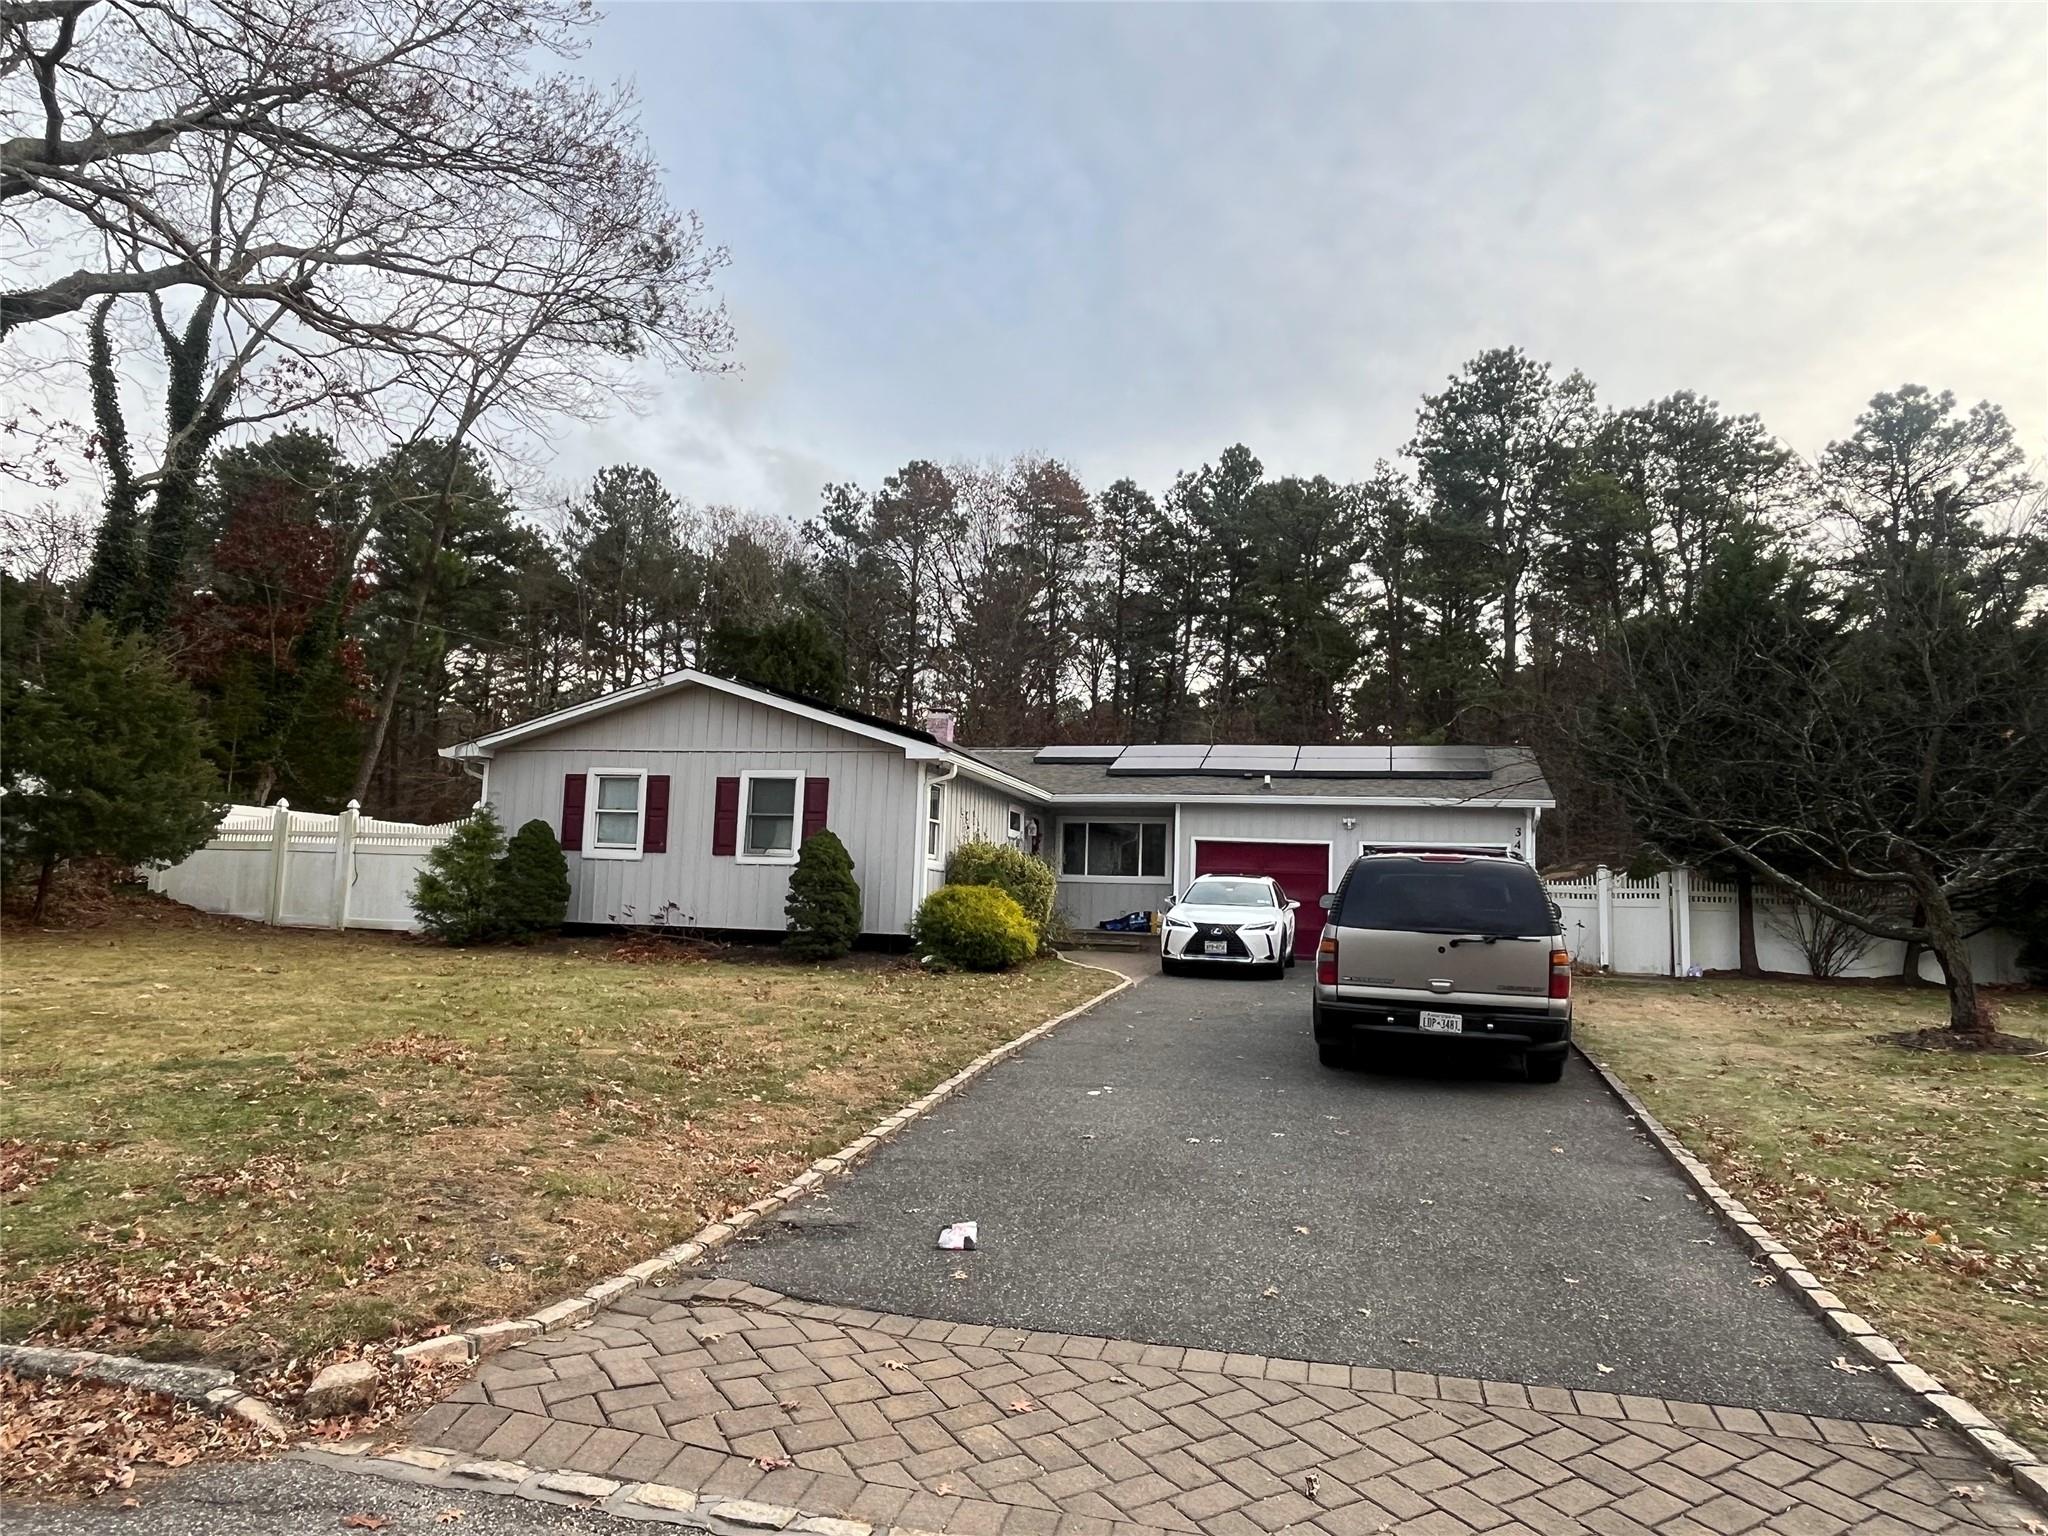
x,y
817,794
725,819
572,811
656,840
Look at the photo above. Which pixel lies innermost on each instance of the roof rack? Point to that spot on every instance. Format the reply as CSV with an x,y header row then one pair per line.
x,y
1477,850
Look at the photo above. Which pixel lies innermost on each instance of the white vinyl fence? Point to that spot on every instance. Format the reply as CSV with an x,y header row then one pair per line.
x,y
1676,923
299,869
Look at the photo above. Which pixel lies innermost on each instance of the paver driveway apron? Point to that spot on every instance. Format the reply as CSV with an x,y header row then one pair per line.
x,y
1505,1315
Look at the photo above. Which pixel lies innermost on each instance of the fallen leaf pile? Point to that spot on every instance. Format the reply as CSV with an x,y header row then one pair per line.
x,y
80,1439
101,1300
402,1389
25,1164
268,1180
435,1050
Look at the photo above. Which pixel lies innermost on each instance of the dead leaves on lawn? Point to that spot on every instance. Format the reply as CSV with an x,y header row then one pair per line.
x,y
71,1438
25,1164
103,1299
434,1050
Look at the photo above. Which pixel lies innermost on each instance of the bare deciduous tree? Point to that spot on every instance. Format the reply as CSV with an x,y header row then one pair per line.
x,y
358,205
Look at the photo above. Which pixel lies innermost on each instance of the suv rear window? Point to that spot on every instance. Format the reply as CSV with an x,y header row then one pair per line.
x,y
1430,896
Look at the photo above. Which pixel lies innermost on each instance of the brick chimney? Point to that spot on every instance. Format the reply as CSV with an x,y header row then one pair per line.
x,y
938,723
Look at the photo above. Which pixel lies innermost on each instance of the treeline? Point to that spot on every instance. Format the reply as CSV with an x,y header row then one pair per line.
x,y
343,621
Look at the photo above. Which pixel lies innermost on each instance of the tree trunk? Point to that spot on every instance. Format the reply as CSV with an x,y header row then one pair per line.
x,y
1969,1013
387,703
43,887
1745,921
1909,964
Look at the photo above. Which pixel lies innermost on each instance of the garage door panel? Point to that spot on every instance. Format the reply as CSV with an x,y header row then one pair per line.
x,y
1303,870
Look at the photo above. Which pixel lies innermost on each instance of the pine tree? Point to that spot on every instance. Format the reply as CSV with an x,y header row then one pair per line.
x,y
102,757
454,895
824,900
531,894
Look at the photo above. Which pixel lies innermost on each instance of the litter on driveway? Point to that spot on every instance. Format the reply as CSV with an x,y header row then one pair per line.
x,y
961,1236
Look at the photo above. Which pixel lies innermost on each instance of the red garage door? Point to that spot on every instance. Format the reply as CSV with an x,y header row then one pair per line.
x,y
1303,870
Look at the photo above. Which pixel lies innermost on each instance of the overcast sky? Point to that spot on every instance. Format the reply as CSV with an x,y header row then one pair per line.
x,y
1129,236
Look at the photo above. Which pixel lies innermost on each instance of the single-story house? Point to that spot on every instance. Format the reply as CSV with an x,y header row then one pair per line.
x,y
682,802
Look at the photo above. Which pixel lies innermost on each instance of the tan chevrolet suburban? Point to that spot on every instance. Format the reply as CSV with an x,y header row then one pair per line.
x,y
1460,944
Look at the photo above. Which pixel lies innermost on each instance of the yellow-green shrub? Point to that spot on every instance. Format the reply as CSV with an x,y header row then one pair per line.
x,y
976,927
1030,882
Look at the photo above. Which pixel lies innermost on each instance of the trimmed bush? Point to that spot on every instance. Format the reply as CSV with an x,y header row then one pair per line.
x,y
975,927
454,895
1029,881
532,884
824,900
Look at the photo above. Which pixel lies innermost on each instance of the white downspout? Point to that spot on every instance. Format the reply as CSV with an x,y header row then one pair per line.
x,y
923,862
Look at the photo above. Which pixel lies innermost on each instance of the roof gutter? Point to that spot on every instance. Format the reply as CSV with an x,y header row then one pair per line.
x,y
977,769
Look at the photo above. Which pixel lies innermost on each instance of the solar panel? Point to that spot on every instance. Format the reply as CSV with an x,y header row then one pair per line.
x,y
1162,758
1250,759
1345,762
1440,762
1230,751
1077,754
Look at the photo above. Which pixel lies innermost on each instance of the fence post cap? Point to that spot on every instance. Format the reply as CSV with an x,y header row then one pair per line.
x,y
282,804
355,805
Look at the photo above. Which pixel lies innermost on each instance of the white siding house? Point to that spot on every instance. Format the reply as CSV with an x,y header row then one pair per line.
x,y
681,803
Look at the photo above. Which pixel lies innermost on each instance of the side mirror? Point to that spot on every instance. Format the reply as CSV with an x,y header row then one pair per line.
x,y
1294,906
1327,901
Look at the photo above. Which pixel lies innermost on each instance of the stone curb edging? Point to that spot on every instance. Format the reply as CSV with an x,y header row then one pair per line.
x,y
655,1502
205,1386
2006,1455
483,1339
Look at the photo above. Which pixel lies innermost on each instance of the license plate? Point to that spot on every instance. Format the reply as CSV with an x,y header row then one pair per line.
x,y
1216,947
1442,1023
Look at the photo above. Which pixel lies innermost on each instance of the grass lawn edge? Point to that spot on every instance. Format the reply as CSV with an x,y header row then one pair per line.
x,y
465,1345
259,1411
2001,1451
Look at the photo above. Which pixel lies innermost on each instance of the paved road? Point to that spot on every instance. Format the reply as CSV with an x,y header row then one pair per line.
x,y
1141,1175
296,1498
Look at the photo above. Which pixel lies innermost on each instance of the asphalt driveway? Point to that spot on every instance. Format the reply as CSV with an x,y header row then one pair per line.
x,y
1147,1172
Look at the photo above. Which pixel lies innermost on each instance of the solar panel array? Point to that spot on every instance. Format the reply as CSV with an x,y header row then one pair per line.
x,y
1251,761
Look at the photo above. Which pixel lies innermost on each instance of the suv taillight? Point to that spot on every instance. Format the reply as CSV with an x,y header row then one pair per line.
x,y
1560,973
1326,963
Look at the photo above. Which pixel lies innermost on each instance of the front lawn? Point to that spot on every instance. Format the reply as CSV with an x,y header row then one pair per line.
x,y
241,1144
1914,1184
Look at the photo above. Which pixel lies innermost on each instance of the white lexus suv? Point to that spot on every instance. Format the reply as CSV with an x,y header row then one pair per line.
x,y
1229,920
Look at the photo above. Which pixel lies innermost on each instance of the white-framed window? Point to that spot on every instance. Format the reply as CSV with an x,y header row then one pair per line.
x,y
771,816
615,817
1017,824
1113,850
935,824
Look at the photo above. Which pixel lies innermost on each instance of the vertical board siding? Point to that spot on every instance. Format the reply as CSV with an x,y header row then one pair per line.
x,y
697,736
973,812
976,812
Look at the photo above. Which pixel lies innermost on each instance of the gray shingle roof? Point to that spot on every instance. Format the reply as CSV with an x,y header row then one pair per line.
x,y
1515,776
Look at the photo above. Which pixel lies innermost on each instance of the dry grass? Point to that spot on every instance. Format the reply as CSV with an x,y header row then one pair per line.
x,y
251,1145
1914,1183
